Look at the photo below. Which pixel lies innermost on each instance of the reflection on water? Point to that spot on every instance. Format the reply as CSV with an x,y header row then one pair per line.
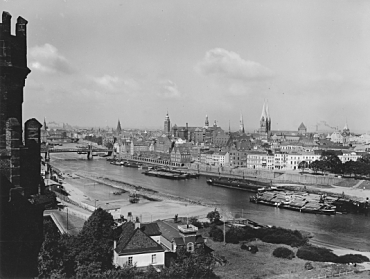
x,y
352,231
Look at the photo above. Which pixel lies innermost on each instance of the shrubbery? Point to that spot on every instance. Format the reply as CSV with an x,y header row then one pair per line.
x,y
216,233
270,235
320,254
352,258
283,252
251,248
282,236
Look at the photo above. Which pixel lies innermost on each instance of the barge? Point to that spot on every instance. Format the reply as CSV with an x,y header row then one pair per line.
x,y
163,174
245,184
301,202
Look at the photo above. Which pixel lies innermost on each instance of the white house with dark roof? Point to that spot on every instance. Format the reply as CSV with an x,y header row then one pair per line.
x,y
135,247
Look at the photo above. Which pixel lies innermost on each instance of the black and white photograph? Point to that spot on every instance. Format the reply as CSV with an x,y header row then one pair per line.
x,y
185,139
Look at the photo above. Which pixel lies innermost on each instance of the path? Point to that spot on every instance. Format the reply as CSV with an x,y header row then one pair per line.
x,y
358,184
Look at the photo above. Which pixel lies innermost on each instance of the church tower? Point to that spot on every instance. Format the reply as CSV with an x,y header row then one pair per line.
x,y
346,134
241,126
119,129
265,120
167,125
206,124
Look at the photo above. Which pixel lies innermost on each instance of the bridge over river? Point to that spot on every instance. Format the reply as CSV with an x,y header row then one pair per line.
x,y
89,150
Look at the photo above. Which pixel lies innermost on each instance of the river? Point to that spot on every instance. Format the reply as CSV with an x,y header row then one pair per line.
x,y
350,230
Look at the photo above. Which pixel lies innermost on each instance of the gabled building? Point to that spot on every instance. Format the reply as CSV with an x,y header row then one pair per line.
x,y
184,235
135,248
302,129
180,155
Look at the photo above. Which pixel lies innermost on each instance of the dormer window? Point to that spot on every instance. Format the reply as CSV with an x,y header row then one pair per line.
x,y
190,247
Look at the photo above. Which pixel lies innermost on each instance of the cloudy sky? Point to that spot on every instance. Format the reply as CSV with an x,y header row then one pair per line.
x,y
94,62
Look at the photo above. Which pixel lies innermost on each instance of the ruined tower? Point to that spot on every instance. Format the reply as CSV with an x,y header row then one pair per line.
x,y
13,72
21,186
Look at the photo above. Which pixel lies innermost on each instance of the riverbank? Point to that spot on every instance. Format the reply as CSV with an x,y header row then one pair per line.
x,y
98,191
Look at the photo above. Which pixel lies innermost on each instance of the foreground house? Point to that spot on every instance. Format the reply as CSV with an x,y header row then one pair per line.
x,y
175,236
135,247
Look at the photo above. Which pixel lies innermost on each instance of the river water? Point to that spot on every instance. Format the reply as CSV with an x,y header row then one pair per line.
x,y
350,230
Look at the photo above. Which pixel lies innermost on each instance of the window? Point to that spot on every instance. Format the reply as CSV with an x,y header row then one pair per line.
x,y
190,247
129,262
154,258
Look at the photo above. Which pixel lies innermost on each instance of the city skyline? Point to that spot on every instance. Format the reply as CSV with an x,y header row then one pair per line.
x,y
136,60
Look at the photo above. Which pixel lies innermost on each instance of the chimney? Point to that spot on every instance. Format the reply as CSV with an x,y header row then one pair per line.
x,y
137,225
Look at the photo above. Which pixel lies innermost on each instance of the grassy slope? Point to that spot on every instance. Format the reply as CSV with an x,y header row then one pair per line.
x,y
243,264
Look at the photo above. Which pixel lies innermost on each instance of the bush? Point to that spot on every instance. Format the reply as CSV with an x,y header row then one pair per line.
x,y
352,258
234,235
205,225
253,249
283,252
282,236
244,247
308,266
216,233
318,254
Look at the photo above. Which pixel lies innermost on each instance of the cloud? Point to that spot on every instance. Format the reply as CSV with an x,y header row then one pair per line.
x,y
228,64
47,59
111,83
169,90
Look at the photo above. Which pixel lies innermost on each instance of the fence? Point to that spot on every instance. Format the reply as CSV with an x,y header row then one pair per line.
x,y
347,272
68,200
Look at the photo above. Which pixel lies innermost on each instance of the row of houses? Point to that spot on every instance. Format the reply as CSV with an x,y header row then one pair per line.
x,y
254,159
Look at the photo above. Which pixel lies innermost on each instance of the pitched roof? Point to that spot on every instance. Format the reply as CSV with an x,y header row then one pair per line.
x,y
302,127
150,229
135,241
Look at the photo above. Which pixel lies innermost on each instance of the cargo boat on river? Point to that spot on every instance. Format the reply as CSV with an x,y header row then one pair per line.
x,y
302,202
163,174
242,184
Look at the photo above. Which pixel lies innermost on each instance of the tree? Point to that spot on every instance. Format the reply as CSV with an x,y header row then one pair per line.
x,y
194,221
315,166
50,255
216,233
365,159
214,216
96,240
331,161
191,265
349,167
303,165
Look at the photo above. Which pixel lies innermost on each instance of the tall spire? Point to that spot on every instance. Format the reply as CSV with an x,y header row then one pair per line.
x,y
346,126
263,114
45,127
119,129
229,128
241,127
267,110
206,124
